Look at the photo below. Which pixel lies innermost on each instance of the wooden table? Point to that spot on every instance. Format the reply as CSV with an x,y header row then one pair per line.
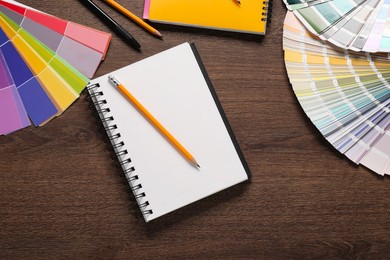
x,y
62,195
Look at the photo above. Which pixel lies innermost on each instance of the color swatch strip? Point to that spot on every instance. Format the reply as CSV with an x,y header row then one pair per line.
x,y
345,94
358,25
37,78
12,111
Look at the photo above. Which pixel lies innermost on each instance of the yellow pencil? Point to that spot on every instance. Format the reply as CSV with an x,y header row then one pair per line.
x,y
133,17
152,120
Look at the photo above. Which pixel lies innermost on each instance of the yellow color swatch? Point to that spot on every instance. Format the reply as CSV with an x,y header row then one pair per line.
x,y
59,91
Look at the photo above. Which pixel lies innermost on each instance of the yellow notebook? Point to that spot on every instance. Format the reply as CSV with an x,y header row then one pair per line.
x,y
250,16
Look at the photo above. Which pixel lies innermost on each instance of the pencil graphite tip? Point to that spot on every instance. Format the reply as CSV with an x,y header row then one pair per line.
x,y
195,163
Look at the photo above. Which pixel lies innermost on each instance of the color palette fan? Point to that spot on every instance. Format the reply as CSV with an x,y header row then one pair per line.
x,y
358,25
345,94
45,63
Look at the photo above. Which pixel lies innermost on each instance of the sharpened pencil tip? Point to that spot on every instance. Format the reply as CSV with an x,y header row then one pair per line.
x,y
195,163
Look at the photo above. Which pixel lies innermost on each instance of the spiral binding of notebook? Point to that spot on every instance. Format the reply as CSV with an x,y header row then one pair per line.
x,y
267,11
103,109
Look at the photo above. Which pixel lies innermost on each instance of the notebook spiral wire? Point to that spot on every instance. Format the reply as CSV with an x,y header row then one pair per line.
x,y
267,11
114,136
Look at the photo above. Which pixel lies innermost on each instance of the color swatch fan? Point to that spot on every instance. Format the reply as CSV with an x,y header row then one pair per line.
x,y
358,25
345,94
45,63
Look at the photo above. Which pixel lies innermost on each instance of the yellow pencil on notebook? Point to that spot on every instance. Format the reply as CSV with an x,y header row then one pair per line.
x,y
153,120
133,17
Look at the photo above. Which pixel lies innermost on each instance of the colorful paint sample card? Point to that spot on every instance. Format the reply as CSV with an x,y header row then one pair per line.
x,y
95,39
358,25
82,47
45,63
345,94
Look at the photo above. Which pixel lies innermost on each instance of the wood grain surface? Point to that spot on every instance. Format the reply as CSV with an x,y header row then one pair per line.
x,y
63,196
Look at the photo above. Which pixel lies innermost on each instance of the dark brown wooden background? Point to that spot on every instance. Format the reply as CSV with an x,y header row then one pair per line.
x,y
63,196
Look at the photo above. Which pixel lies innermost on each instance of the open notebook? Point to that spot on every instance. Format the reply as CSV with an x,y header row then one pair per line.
x,y
251,16
174,87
